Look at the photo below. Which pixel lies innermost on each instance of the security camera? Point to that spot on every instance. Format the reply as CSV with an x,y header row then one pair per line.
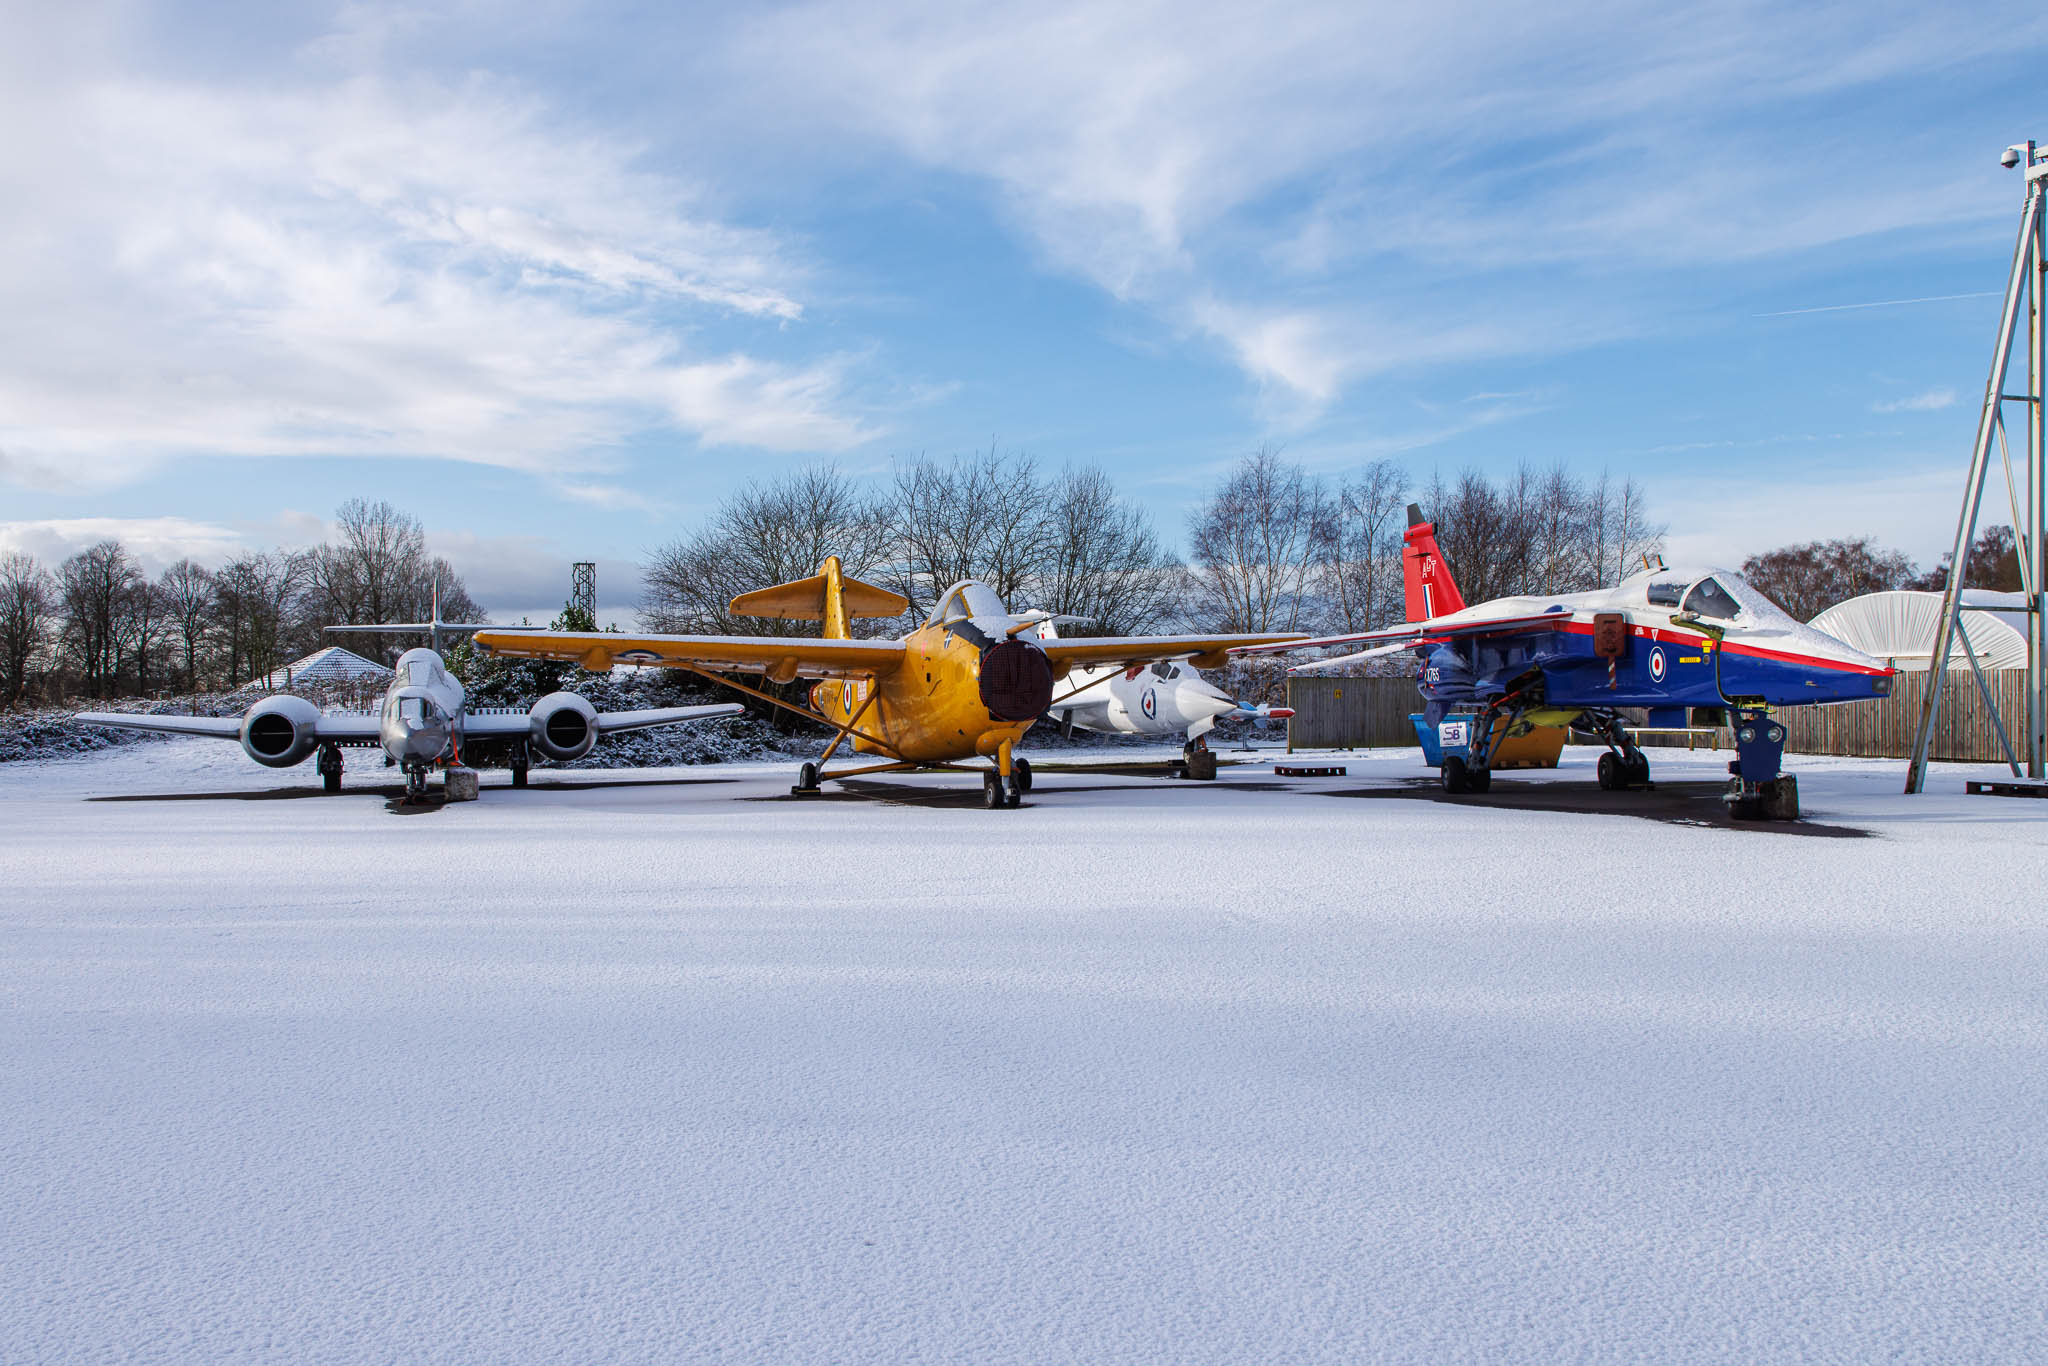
x,y
2011,157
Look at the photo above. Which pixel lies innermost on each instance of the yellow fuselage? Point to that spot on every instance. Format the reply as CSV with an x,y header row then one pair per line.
x,y
929,710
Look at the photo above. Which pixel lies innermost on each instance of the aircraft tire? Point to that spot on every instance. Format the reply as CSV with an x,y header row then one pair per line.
x,y
519,776
1479,779
807,777
1013,796
330,780
1021,771
1610,773
992,794
1638,770
1456,777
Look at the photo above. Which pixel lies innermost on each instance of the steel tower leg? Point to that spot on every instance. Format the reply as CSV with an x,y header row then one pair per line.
x,y
2024,281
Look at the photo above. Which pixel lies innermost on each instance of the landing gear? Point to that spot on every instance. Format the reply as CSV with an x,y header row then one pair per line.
x,y
415,782
519,765
806,781
1020,770
1460,777
996,793
329,765
1623,766
1757,791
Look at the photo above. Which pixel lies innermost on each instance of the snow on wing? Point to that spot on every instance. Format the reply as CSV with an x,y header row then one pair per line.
x,y
793,656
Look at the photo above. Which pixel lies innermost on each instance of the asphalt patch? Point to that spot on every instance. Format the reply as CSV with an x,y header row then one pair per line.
x,y
1695,804
968,796
395,792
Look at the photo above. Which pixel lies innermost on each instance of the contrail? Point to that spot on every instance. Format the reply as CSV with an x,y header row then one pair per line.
x,y
1881,303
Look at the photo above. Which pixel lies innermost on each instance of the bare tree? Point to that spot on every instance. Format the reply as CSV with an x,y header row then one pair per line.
x,y
253,598
149,627
187,590
1103,561
1257,545
28,600
1808,579
1362,569
1993,563
766,534
97,588
985,516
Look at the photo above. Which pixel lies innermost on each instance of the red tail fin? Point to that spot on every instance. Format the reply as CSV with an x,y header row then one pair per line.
x,y
1431,591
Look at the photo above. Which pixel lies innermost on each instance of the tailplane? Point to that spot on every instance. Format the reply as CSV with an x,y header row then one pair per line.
x,y
829,596
1429,588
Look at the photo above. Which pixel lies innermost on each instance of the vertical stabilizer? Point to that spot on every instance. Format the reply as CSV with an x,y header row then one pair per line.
x,y
1429,589
835,599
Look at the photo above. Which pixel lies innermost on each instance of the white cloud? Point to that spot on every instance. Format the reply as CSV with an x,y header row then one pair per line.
x,y
1253,173
1905,508
366,265
1933,401
154,541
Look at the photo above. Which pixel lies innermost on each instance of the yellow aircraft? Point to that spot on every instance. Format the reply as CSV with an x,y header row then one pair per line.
x,y
968,683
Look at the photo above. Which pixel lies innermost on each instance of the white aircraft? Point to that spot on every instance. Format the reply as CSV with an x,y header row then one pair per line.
x,y
1167,697
423,724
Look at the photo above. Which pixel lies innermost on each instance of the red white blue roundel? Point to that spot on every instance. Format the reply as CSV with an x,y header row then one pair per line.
x,y
1657,664
1149,705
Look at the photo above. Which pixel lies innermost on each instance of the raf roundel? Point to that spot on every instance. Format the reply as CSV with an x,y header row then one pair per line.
x,y
1657,664
1150,704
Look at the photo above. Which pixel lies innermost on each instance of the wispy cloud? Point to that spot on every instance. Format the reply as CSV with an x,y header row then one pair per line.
x,y
1880,303
361,264
1933,401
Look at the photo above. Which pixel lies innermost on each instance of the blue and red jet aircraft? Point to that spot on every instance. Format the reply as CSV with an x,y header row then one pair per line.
x,y
1665,639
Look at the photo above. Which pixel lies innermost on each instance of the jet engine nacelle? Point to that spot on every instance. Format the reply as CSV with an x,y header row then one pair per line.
x,y
281,731
562,726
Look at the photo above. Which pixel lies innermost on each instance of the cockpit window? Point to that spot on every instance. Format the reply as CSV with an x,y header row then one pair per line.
x,y
422,673
1709,599
1162,670
969,599
1666,594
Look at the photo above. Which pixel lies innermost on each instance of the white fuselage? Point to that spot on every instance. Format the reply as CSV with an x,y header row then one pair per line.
x,y
421,719
1166,698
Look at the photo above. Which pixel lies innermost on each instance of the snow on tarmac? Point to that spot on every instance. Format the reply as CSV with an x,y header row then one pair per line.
x,y
1262,1070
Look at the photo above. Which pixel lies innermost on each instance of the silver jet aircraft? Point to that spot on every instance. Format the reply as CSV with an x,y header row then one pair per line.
x,y
424,722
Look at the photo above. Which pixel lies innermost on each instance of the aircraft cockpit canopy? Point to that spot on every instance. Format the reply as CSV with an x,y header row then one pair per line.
x,y
1709,599
967,599
423,673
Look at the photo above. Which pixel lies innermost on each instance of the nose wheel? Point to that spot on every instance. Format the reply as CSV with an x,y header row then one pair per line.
x,y
330,769
996,793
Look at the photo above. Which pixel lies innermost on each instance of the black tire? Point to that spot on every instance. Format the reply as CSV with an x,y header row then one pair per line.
x,y
1457,778
1479,779
1610,773
1637,767
519,776
807,777
1021,771
330,780
992,794
1013,797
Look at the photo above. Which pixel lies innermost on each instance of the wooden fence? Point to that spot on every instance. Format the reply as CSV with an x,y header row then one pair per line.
x,y
1362,713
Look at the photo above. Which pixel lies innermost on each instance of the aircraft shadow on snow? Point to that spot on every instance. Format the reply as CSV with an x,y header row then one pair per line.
x,y
394,793
1669,803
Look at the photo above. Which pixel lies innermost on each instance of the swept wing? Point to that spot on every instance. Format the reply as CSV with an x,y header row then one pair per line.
x,y
1436,628
780,657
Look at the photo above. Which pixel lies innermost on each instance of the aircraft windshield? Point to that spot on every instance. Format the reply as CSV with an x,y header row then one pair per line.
x,y
1665,594
412,711
1709,599
421,672
969,599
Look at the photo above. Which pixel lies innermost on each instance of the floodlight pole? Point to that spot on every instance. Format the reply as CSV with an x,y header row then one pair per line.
x,y
2028,279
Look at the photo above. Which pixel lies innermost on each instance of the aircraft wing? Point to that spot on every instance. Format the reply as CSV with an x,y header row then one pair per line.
x,y
782,657
339,727
1436,628
1129,650
609,722
1376,652
221,727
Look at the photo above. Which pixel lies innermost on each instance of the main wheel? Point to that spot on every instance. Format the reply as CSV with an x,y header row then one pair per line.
x,y
1021,771
330,780
519,775
807,777
1637,768
1479,779
992,795
1611,772
1457,777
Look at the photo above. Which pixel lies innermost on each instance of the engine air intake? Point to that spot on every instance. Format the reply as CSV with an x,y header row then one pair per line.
x,y
271,734
1016,681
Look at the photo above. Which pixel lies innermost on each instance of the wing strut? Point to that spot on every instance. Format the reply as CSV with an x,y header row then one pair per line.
x,y
805,712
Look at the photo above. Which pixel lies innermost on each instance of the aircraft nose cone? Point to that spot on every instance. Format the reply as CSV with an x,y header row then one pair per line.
x,y
1199,698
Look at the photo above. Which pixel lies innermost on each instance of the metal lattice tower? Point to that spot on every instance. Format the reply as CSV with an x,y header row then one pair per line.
x,y
583,588
2028,282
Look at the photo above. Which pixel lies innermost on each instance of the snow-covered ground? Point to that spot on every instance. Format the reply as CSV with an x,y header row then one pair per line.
x,y
1268,1069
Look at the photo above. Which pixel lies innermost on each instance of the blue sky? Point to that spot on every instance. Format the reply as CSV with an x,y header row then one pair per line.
x,y
555,277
